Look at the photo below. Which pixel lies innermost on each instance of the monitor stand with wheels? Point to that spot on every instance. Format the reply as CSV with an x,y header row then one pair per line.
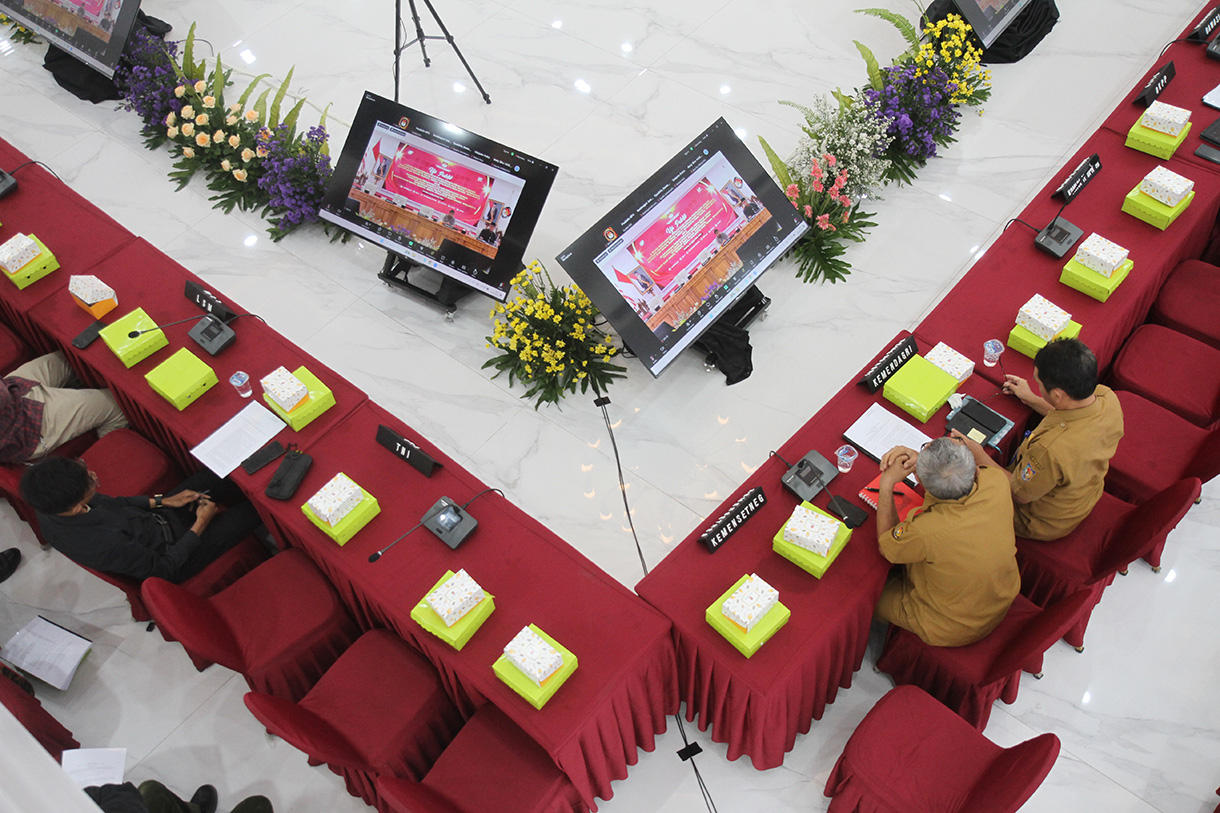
x,y
396,273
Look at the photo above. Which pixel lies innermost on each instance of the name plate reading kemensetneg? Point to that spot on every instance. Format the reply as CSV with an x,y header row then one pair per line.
x,y
405,449
730,521
889,364
1159,81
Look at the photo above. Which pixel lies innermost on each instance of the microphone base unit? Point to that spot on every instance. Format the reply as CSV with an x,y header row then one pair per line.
x,y
8,184
1058,237
449,522
810,475
212,335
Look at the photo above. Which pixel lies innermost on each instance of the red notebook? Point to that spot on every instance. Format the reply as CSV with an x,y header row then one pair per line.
x,y
905,497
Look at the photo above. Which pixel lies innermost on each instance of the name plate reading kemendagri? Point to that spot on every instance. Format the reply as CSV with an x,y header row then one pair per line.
x,y
1079,179
1159,81
208,302
730,521
889,364
405,449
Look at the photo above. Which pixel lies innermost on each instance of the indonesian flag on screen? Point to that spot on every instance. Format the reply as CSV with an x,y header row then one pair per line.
x,y
377,150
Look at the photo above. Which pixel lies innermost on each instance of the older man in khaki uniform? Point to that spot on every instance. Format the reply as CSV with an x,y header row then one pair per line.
x,y
959,550
1060,469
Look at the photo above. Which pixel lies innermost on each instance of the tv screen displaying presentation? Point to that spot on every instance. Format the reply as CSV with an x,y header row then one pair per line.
x,y
989,18
93,31
443,197
680,250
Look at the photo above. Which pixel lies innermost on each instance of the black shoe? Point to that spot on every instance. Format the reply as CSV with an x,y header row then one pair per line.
x,y
9,560
206,799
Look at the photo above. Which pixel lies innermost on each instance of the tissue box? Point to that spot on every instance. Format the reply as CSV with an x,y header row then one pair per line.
x,y
347,527
1152,211
750,602
464,628
810,530
181,378
1091,283
94,296
456,597
132,351
1165,118
284,389
533,657
1027,343
1101,255
531,691
747,643
1043,318
320,400
336,499
813,563
920,388
951,361
1167,187
23,267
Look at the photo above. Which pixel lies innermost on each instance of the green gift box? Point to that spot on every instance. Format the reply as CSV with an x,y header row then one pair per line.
x,y
1024,341
808,560
747,643
531,691
181,378
320,399
347,527
461,632
1152,211
1154,142
920,388
1087,281
35,269
132,351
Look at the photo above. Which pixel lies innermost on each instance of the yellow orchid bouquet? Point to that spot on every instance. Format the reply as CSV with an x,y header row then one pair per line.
x,y
547,337
949,45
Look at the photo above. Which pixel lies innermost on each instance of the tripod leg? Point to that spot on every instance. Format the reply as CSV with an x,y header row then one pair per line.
x,y
419,31
453,45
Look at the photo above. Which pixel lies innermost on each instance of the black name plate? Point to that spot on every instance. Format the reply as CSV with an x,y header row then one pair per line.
x,y
1206,26
208,302
1079,179
407,450
1159,81
730,521
890,363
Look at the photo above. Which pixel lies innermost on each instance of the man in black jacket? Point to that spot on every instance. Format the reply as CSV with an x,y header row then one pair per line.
x,y
172,536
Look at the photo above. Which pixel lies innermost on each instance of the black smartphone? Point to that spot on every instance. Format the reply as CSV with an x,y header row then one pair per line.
x,y
1208,153
1211,133
88,335
262,457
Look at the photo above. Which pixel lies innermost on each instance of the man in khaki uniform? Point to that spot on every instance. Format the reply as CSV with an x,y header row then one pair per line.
x,y
959,550
1060,469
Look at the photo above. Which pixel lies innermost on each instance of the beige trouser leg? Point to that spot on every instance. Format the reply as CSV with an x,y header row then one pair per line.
x,y
67,412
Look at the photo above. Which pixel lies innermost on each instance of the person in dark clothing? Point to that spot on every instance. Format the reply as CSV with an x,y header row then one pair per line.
x,y
171,536
154,797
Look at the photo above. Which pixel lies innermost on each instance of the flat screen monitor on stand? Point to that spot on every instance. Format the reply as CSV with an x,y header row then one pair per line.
x,y
989,18
438,198
93,31
675,255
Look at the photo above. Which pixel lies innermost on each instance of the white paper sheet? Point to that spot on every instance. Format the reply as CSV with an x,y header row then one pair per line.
x,y
240,436
95,766
47,651
878,430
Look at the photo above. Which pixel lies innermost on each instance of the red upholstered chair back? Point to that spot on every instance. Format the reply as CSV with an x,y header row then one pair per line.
x,y
1206,463
1037,636
193,621
128,465
304,730
1146,528
1013,776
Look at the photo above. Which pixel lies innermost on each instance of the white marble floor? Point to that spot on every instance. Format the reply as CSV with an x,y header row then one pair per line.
x,y
1136,713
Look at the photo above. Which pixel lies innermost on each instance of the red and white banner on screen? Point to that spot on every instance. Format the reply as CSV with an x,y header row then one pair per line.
x,y
429,180
673,242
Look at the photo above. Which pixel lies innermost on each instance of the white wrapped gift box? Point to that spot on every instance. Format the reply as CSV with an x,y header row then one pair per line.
x,y
1043,318
457,596
536,659
1101,255
336,499
89,289
1169,188
1165,118
750,602
810,530
284,388
17,252
951,361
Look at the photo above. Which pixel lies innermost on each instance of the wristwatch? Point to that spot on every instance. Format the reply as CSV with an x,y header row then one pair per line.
x,y
157,500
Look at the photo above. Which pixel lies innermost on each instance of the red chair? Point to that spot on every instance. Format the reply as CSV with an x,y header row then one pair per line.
x,y
911,755
1171,369
281,625
490,763
13,351
1106,543
1158,449
968,679
380,709
49,732
1188,301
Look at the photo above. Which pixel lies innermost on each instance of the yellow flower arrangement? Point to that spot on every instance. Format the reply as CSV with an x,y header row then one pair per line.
x,y
546,336
950,45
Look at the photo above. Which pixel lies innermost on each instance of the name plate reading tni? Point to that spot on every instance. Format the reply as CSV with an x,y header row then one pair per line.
x,y
1159,81
730,521
890,363
405,449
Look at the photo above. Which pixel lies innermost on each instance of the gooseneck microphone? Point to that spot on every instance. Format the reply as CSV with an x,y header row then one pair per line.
x,y
137,333
374,557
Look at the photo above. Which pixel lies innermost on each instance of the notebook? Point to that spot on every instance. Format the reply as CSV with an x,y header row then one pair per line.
x,y
906,499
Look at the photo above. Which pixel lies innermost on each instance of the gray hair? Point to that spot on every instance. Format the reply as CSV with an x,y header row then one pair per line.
x,y
946,469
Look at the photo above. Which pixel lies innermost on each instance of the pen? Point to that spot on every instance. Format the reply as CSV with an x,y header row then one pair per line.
x,y
874,490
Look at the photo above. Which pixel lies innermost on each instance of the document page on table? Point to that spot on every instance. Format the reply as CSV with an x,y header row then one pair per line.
x,y
241,436
878,430
95,766
47,651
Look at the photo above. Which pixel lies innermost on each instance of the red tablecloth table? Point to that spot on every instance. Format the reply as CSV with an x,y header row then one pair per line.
x,y
617,699
49,732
